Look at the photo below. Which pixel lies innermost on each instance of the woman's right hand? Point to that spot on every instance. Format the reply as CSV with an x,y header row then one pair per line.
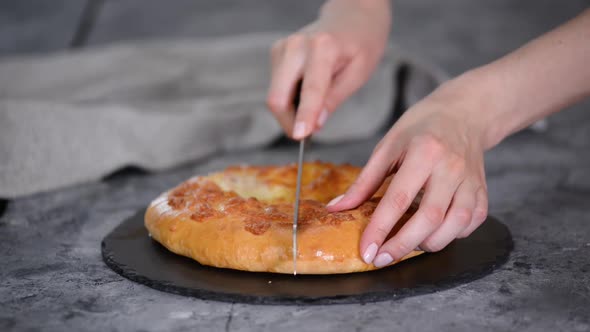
x,y
333,56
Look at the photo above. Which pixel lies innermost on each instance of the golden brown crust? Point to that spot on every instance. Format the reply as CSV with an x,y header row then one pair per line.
x,y
241,218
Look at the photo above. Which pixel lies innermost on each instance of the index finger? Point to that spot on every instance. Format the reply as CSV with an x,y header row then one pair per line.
x,y
317,78
287,68
404,186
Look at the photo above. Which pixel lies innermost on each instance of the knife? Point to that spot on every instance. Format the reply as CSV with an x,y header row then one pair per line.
x,y
296,99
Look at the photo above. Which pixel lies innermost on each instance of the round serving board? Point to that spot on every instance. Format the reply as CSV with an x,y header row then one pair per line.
x,y
129,251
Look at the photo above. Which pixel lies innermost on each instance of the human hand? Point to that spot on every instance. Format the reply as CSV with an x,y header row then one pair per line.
x,y
334,56
437,145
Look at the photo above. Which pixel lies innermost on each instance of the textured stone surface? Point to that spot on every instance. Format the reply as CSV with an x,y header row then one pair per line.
x,y
138,19
53,277
30,26
457,34
462,34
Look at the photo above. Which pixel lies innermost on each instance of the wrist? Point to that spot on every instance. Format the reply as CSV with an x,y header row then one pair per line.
x,y
378,11
356,4
362,26
485,104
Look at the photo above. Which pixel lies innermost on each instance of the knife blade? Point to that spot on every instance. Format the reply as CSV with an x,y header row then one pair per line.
x,y
297,199
296,99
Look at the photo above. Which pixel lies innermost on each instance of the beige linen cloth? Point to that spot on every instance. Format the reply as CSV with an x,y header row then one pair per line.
x,y
76,116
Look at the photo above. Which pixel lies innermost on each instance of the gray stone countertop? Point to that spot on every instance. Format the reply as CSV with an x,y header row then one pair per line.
x,y
53,277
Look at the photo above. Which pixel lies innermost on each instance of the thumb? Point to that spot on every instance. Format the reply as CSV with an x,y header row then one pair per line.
x,y
370,179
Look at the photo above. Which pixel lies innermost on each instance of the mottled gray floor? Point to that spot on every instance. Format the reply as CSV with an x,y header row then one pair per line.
x,y
53,277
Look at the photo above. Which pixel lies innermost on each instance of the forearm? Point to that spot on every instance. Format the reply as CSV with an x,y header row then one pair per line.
x,y
542,77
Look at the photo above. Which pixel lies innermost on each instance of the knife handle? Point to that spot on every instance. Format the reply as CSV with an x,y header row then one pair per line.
x,y
297,94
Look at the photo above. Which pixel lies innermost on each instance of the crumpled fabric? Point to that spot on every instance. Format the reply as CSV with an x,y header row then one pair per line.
x,y
76,116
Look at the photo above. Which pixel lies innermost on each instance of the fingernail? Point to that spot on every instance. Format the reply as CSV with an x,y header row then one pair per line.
x,y
370,252
323,117
335,200
382,259
299,130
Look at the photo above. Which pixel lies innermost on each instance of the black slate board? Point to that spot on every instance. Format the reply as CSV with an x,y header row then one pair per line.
x,y
129,251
